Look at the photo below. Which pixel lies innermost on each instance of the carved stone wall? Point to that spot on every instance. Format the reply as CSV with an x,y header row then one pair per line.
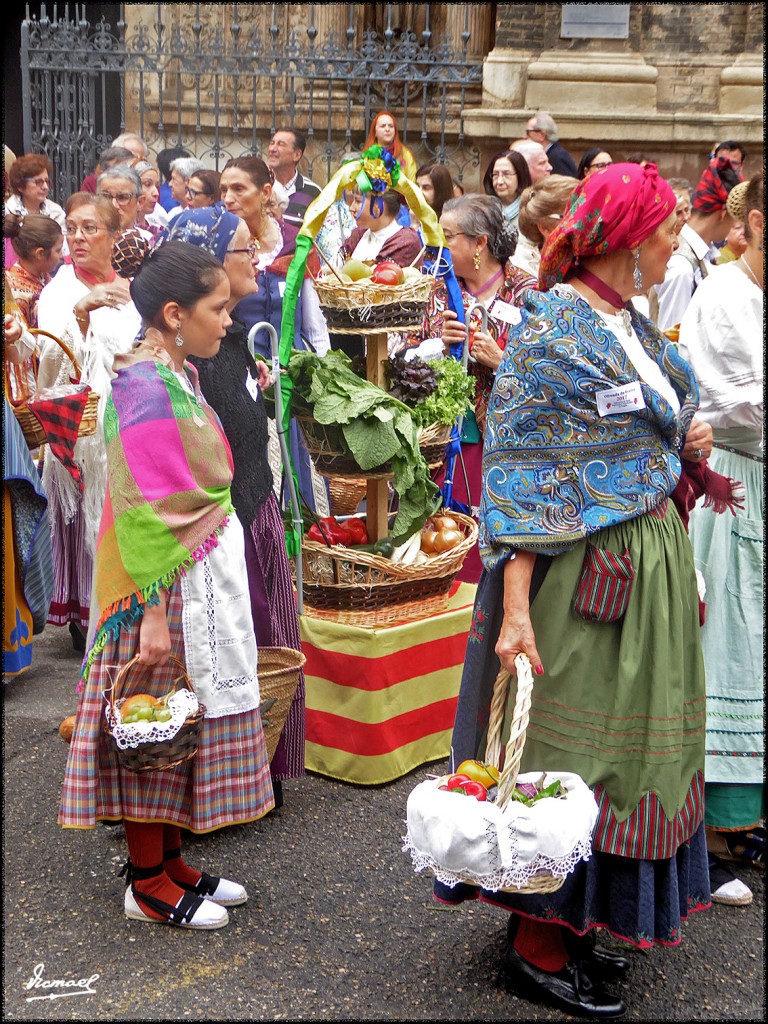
x,y
687,76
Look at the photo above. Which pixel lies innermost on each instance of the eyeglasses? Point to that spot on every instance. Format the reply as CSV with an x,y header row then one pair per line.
x,y
121,198
450,235
536,130
87,229
598,167
250,249
193,193
41,182
503,174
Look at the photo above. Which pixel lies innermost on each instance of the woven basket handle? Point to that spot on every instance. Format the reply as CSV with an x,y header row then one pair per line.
x,y
67,350
516,741
115,690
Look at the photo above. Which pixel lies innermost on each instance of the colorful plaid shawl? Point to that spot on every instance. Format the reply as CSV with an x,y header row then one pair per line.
x,y
554,470
169,470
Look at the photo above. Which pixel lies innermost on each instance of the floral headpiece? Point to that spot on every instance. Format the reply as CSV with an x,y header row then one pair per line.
x,y
380,172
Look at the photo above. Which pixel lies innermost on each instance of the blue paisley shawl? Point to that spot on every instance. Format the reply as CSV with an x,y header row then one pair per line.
x,y
554,470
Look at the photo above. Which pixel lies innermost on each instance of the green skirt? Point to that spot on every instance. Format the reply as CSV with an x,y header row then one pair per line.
x,y
621,704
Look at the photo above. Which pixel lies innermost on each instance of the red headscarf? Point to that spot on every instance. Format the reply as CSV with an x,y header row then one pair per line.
x,y
716,182
614,208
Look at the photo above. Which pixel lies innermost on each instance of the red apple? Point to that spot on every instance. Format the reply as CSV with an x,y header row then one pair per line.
x,y
388,272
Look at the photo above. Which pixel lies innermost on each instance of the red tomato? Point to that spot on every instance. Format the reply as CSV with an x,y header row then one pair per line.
x,y
457,780
475,789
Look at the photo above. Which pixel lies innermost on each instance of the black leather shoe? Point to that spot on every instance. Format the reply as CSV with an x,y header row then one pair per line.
x,y
570,989
600,962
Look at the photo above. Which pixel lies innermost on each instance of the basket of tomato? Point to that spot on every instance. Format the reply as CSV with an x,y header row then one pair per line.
x,y
488,826
349,579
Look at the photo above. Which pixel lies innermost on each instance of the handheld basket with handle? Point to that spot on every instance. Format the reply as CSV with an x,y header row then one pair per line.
x,y
506,845
155,755
33,432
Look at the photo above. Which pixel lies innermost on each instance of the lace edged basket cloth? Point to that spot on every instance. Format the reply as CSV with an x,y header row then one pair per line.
x,y
154,754
506,845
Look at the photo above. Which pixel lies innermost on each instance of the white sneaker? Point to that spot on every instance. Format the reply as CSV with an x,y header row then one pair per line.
x,y
190,912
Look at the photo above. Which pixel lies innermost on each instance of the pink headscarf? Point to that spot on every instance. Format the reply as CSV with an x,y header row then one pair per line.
x,y
614,208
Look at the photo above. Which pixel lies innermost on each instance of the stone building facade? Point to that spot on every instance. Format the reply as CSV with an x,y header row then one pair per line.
x,y
681,78
685,77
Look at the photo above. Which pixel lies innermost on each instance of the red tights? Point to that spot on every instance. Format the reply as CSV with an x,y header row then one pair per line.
x,y
148,846
541,944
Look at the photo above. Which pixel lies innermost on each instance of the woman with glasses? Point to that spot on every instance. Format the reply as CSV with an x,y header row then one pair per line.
x,y
29,179
231,383
203,189
595,159
505,177
122,186
89,307
482,243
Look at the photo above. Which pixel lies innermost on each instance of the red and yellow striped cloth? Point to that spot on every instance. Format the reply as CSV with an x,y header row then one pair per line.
x,y
381,702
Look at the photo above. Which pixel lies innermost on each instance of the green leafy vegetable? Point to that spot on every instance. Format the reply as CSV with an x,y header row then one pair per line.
x,y
438,391
374,427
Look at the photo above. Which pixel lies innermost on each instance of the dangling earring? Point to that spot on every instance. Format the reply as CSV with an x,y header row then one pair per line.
x,y
476,259
179,339
636,273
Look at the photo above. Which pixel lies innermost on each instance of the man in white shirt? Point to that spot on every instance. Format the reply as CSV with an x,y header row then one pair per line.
x,y
710,222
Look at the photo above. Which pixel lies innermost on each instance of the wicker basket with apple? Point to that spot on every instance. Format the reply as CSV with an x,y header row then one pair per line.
x,y
505,832
364,297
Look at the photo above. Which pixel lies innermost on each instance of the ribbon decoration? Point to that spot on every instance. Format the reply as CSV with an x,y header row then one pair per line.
x,y
346,177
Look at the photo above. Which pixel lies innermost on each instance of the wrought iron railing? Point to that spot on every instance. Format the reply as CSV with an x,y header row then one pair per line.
x,y
220,78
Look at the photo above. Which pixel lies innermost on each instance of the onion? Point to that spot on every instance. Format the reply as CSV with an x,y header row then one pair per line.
x,y
447,539
428,539
445,523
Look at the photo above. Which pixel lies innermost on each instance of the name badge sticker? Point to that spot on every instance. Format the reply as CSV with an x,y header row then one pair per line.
x,y
620,400
252,386
505,311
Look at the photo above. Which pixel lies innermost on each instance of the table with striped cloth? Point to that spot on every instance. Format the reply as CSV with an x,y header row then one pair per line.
x,y
381,701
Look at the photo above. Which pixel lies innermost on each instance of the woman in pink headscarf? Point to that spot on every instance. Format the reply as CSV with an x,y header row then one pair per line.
x,y
588,571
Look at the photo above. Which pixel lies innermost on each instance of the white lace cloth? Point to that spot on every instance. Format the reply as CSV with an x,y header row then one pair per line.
x,y
219,642
461,839
181,704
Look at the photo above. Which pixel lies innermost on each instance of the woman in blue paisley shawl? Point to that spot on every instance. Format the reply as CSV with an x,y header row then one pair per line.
x,y
591,413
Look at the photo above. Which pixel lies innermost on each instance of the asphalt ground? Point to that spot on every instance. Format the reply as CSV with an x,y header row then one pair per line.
x,y
338,925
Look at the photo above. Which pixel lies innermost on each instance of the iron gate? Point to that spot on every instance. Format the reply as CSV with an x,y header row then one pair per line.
x,y
220,78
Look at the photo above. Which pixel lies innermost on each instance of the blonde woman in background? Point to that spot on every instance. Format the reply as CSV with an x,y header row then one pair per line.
x,y
541,208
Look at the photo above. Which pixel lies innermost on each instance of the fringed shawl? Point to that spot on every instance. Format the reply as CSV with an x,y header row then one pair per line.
x,y
168,492
554,470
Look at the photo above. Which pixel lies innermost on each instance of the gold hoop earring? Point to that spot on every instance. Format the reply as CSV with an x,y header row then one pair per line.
x,y
476,259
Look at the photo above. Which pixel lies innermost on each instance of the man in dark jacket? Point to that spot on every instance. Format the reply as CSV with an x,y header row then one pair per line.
x,y
542,128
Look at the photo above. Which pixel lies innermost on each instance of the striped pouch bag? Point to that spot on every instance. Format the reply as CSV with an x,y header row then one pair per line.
x,y
602,594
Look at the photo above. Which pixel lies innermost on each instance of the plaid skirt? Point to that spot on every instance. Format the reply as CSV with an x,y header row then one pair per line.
x,y
226,783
